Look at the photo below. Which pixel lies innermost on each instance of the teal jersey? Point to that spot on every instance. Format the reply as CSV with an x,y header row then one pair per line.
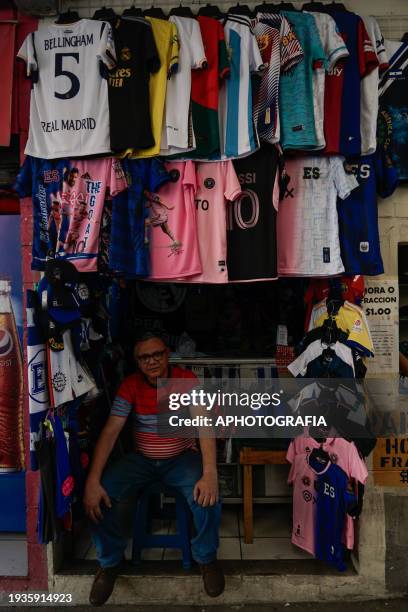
x,y
296,86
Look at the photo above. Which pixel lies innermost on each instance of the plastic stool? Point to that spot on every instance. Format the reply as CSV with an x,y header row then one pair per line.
x,y
142,539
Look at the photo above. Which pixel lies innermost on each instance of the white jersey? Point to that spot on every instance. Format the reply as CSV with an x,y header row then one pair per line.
x,y
177,134
237,132
369,89
69,112
335,49
308,227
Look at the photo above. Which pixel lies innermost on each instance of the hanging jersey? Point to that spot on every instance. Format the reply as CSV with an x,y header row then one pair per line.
x,y
167,44
252,216
137,59
237,133
205,88
177,135
392,131
309,209
42,180
217,185
296,87
69,111
334,499
128,250
358,216
342,95
335,49
81,203
351,319
38,397
171,228
280,51
369,89
350,287
302,366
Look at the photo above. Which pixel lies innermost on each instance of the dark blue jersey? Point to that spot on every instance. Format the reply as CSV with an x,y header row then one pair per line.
x,y
42,179
333,501
358,216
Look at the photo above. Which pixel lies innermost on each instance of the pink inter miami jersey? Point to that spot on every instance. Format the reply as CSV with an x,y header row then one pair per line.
x,y
217,184
171,225
342,453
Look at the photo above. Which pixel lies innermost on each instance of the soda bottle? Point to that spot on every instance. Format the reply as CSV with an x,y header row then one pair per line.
x,y
11,387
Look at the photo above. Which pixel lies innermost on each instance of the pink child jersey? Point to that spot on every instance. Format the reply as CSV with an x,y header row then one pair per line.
x,y
303,478
85,187
342,453
217,184
172,233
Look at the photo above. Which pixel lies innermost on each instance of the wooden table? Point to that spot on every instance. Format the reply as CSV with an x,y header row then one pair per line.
x,y
247,458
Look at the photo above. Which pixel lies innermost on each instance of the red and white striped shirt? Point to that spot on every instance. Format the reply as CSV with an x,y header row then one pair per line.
x,y
137,395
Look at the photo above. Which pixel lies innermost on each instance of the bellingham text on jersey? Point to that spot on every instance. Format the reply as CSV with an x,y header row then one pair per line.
x,y
68,41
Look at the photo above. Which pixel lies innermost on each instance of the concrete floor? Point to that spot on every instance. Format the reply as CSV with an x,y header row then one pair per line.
x,y
393,605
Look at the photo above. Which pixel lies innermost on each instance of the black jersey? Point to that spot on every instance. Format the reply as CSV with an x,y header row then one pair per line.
x,y
251,218
137,59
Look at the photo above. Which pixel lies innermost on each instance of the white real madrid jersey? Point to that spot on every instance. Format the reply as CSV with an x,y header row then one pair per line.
x,y
69,112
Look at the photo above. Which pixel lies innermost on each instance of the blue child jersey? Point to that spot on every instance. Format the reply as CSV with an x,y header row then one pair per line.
x,y
296,86
42,179
129,250
358,215
333,501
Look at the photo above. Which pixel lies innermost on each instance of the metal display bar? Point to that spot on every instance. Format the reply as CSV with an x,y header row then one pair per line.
x,y
223,361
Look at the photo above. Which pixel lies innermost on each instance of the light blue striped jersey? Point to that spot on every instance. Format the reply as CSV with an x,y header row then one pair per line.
x,y
237,132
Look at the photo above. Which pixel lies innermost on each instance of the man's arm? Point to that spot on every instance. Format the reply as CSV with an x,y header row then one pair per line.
x,y
206,489
94,492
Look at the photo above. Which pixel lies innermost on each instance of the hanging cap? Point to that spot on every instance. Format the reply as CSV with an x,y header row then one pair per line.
x,y
59,271
59,303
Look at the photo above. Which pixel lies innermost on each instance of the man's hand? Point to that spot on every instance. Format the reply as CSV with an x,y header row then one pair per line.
x,y
206,490
93,496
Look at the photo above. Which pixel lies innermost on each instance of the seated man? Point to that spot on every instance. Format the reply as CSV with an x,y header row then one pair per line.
x,y
173,461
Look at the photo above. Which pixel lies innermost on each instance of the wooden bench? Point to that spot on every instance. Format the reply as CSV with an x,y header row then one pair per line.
x,y
247,458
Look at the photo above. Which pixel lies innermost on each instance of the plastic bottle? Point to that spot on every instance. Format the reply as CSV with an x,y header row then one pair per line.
x,y
11,387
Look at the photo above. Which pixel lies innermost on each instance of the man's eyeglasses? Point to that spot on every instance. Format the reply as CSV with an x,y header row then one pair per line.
x,y
145,357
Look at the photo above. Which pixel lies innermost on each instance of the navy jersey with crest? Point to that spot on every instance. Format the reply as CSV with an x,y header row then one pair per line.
x,y
333,501
358,215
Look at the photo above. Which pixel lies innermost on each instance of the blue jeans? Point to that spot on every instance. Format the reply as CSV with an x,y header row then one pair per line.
x,y
134,471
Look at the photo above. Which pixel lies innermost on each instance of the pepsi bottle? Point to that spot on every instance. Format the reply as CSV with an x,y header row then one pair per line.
x,y
11,387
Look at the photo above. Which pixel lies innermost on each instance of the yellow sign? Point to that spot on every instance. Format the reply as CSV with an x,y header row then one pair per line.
x,y
390,462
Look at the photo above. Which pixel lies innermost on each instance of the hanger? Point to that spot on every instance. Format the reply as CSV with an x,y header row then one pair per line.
x,y
286,6
104,14
320,454
240,9
266,7
182,11
68,17
210,10
330,332
154,11
404,39
313,6
133,11
336,7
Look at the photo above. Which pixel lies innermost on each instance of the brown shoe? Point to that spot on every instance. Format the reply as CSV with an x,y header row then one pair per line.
x,y
103,584
213,578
